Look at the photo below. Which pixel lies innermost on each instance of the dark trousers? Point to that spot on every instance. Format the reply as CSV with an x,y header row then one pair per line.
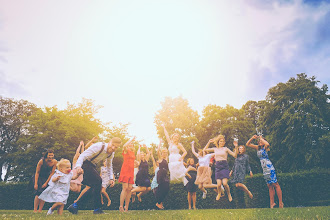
x,y
161,192
92,179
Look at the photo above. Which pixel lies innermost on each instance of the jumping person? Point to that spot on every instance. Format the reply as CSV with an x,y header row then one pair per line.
x,y
175,165
221,167
191,186
142,176
86,164
44,171
75,185
240,169
160,184
268,169
203,179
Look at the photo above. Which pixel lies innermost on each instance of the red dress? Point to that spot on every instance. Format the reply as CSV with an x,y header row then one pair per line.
x,y
127,169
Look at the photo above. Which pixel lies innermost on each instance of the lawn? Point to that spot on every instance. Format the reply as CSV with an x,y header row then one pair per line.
x,y
205,214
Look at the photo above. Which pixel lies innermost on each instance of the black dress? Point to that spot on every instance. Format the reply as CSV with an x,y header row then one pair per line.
x,y
191,186
240,168
163,181
43,176
142,176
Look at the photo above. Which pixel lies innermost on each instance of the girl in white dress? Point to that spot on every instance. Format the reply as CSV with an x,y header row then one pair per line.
x,y
59,187
105,183
175,165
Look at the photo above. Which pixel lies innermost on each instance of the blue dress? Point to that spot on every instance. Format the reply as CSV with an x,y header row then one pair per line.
x,y
267,167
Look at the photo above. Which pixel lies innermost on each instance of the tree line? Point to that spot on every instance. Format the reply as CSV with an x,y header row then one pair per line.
x,y
294,118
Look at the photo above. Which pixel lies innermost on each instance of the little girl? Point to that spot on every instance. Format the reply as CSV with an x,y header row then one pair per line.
x,y
59,187
240,168
105,183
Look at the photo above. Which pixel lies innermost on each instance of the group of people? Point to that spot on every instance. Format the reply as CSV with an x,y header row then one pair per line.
x,y
212,171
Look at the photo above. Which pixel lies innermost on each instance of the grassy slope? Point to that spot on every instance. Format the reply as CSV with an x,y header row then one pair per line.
x,y
286,213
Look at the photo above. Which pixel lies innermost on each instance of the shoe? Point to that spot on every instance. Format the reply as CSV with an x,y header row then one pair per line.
x,y
50,211
72,209
204,194
98,211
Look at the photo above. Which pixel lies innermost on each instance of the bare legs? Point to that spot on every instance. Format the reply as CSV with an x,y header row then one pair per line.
x,y
59,206
192,196
272,187
143,190
125,196
104,192
38,203
226,186
244,188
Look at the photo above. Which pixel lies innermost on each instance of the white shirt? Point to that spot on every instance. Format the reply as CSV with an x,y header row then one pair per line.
x,y
93,151
205,161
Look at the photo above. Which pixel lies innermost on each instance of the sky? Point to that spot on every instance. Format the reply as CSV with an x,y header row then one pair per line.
x,y
128,56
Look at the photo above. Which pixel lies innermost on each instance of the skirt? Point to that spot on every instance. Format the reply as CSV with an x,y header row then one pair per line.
x,y
203,175
221,170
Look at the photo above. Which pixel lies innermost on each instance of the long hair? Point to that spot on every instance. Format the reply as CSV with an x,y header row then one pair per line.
x,y
217,138
46,154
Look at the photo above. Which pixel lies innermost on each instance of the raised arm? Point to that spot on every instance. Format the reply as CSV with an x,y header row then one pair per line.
x,y
153,162
184,152
263,141
148,152
128,143
234,154
94,139
193,149
248,143
75,157
158,149
166,135
138,158
208,144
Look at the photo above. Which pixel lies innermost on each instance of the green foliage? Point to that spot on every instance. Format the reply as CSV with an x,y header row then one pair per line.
x,y
13,117
298,122
309,188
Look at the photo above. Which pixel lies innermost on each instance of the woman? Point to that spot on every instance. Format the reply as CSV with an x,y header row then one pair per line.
x,y
160,184
203,179
268,169
142,176
221,166
240,169
127,174
175,165
44,171
191,186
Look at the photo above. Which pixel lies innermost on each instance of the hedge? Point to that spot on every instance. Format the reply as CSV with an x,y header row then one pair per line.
x,y
309,188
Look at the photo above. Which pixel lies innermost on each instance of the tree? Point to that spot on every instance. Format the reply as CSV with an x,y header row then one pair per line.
x,y
297,120
178,117
13,117
60,130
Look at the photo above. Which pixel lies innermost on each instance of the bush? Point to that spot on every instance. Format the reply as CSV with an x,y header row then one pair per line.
x,y
308,188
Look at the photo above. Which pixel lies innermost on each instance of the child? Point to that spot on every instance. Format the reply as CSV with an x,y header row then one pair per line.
x,y
191,178
105,183
240,168
59,187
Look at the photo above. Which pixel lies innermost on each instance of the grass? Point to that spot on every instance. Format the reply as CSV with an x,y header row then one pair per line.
x,y
205,214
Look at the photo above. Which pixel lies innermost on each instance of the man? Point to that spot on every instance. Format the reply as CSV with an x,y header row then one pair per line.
x,y
86,164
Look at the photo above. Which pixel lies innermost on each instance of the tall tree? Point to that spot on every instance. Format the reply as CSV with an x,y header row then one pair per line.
x,y
13,117
60,130
298,121
178,117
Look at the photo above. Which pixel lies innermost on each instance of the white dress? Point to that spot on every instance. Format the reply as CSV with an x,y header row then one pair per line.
x,y
105,177
57,191
176,167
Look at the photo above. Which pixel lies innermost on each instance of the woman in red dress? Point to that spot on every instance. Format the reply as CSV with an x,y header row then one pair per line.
x,y
126,176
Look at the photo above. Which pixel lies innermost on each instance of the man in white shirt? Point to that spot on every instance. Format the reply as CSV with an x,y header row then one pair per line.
x,y
86,164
